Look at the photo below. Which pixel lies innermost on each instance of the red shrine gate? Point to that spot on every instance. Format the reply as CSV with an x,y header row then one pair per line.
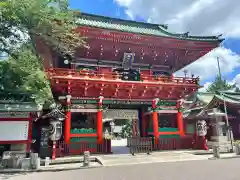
x,y
127,65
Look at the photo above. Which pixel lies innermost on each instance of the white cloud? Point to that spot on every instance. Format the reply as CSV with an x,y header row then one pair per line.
x,y
199,17
205,86
206,67
236,80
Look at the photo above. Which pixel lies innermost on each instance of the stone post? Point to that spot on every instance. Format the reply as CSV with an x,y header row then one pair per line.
x,y
47,161
216,151
35,161
86,159
237,149
218,131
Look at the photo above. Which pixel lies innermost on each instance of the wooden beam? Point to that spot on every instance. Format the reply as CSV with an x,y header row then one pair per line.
x,y
85,89
116,90
130,91
158,90
101,88
144,91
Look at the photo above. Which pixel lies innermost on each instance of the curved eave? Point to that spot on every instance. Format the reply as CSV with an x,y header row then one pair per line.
x,y
216,99
138,28
198,38
192,113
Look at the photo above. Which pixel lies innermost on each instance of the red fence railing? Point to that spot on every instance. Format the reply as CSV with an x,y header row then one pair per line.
x,y
173,143
90,74
77,148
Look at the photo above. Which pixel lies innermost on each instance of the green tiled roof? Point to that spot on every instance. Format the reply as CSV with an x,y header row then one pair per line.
x,y
231,97
11,101
136,27
204,98
191,113
228,97
20,107
209,101
15,96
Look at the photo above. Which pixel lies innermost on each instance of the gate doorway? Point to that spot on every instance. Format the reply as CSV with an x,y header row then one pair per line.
x,y
118,125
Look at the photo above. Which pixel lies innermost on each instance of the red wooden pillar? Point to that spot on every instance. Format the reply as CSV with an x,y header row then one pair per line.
x,y
30,129
155,121
180,123
179,118
99,122
54,150
67,125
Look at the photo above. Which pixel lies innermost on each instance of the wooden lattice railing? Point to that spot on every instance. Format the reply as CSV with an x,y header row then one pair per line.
x,y
139,145
77,148
185,142
95,75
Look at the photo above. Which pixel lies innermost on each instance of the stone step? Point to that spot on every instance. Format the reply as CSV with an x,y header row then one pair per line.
x,y
141,159
219,138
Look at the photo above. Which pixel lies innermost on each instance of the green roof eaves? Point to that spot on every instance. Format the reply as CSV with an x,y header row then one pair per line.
x,y
119,27
205,97
196,38
11,96
160,31
20,107
228,99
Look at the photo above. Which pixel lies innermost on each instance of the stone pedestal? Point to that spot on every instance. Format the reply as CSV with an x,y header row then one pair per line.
x,y
219,129
35,161
26,163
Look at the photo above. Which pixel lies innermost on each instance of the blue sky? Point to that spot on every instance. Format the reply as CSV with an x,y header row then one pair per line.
x,y
113,9
99,7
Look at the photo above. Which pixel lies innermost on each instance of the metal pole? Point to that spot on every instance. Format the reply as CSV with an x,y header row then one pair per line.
x,y
227,122
225,107
219,69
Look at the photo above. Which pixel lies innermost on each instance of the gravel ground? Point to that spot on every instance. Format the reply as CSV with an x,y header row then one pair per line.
x,y
224,169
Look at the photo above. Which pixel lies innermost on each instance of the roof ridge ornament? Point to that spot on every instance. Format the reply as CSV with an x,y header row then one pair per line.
x,y
57,112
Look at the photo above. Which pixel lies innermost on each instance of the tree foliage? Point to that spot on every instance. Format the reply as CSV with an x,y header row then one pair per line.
x,y
127,130
220,84
23,73
21,21
50,19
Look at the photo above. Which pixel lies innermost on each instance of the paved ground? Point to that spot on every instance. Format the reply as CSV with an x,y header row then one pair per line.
x,y
225,169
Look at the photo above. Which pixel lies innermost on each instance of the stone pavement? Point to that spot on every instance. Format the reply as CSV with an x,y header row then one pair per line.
x,y
53,168
224,169
123,159
156,157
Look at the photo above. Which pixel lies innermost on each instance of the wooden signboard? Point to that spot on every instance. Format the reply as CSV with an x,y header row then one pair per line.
x,y
120,114
14,130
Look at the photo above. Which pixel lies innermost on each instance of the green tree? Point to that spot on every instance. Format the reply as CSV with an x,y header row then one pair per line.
x,y
220,84
21,21
126,130
51,20
23,73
